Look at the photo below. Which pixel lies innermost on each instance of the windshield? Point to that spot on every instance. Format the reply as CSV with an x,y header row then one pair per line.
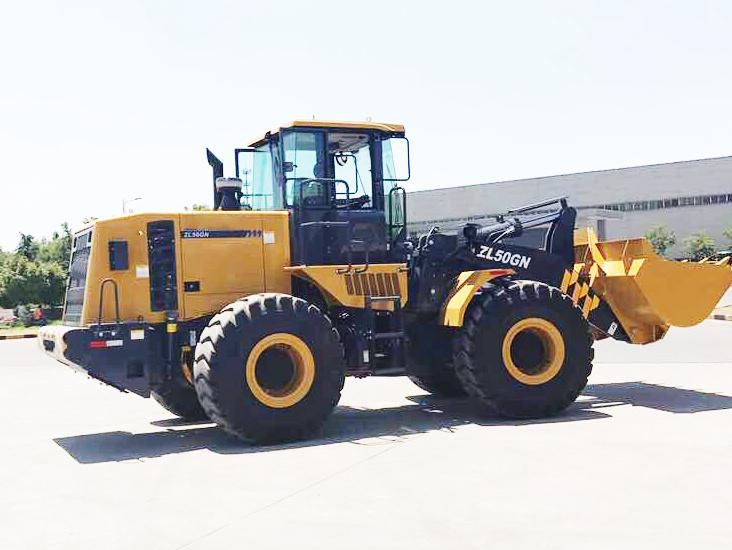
x,y
303,161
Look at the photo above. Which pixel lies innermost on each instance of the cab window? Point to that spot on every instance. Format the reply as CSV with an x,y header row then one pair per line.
x,y
351,159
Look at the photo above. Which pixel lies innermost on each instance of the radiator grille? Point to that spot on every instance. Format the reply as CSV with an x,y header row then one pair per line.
x,y
76,285
161,257
372,284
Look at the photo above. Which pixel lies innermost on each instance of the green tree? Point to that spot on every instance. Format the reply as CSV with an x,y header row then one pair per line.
x,y
54,283
19,281
57,249
23,281
728,235
699,246
661,238
27,246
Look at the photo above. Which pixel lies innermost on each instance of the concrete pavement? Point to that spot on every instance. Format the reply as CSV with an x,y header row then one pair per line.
x,y
642,460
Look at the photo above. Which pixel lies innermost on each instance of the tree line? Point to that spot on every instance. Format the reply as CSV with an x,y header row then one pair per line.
x,y
36,272
696,246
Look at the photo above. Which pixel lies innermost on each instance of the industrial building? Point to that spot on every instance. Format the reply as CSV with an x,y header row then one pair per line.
x,y
687,197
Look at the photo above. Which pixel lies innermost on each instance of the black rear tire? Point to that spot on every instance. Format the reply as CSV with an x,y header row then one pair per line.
x,y
519,372
443,384
253,363
179,398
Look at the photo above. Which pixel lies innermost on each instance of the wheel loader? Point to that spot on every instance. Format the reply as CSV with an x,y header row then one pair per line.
x,y
252,314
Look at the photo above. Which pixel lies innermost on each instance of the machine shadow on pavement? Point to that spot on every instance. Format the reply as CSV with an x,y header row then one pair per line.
x,y
654,396
355,425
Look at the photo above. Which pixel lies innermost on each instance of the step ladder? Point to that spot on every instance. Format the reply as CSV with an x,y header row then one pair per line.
x,y
395,334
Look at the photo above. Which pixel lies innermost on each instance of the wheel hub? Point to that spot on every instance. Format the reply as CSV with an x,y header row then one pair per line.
x,y
280,370
533,351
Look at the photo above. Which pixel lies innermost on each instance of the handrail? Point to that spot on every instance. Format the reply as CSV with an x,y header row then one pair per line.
x,y
561,200
101,300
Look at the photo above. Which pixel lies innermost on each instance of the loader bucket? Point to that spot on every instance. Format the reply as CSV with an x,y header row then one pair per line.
x,y
648,293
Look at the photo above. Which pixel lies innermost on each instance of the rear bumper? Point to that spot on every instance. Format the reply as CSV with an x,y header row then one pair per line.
x,y
127,356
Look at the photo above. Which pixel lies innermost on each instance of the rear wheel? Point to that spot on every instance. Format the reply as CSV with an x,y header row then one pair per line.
x,y
430,359
525,350
179,398
269,368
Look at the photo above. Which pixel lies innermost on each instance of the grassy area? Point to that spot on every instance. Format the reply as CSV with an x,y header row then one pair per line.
x,y
6,331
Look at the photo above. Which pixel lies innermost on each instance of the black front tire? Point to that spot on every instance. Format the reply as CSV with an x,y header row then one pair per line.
x,y
237,403
479,350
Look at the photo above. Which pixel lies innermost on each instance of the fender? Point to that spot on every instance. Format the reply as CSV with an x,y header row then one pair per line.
x,y
348,285
465,287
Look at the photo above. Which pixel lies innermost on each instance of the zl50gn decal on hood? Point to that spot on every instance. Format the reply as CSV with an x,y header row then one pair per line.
x,y
220,233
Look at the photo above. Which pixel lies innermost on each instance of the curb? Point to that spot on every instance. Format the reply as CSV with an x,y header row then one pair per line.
x,y
19,336
721,316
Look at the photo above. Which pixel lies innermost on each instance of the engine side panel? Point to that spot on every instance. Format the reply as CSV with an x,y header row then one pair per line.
x,y
218,258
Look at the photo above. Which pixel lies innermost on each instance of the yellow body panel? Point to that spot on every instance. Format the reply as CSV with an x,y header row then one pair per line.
x,y
276,239
133,285
646,292
466,285
229,268
226,268
349,287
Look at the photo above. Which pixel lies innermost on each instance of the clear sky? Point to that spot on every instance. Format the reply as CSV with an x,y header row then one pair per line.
x,y
103,101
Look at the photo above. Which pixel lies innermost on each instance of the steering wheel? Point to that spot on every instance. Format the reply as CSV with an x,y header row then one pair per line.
x,y
355,202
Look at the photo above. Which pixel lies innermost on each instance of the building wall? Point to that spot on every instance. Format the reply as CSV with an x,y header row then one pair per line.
x,y
687,197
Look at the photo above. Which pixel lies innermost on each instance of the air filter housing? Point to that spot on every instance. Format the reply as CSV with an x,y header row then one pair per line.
x,y
229,190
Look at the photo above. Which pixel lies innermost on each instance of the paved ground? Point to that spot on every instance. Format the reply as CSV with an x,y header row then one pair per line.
x,y
644,460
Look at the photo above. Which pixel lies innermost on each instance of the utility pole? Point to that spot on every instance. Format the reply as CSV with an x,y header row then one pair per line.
x,y
125,202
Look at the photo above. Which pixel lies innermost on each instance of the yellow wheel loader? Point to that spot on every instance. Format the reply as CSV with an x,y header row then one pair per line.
x,y
254,313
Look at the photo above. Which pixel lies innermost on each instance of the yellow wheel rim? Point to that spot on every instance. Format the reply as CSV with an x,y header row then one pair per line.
x,y
290,349
552,351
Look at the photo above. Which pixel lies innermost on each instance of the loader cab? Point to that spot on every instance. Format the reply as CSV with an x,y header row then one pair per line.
x,y
340,181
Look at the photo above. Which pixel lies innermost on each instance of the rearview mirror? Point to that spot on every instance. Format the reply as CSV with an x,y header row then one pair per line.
x,y
395,159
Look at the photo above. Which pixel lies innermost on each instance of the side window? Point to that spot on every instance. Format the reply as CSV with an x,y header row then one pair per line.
x,y
354,168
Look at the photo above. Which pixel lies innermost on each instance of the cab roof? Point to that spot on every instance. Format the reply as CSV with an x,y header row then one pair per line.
x,y
385,127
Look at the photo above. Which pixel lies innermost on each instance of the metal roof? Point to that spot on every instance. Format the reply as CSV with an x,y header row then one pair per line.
x,y
386,127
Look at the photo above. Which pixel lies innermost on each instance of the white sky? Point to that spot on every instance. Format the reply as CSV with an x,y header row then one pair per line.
x,y
101,101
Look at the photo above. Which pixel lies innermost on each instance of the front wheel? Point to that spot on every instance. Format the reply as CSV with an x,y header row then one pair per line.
x,y
525,350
